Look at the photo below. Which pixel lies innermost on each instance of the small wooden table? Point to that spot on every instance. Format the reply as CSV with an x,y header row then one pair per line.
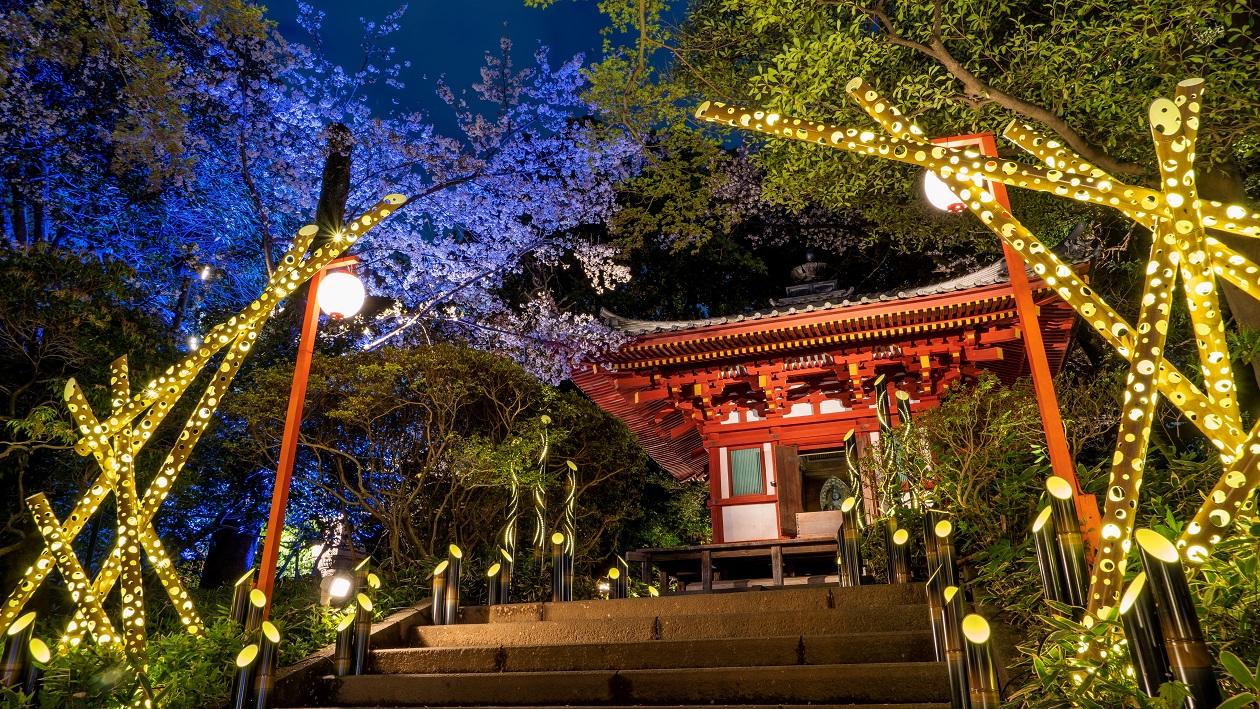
x,y
699,561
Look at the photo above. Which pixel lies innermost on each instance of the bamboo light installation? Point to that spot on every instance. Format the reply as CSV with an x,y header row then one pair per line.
x,y
1069,545
982,679
450,612
505,583
240,598
243,677
1188,654
561,563
508,550
343,649
16,639
1146,643
362,634
570,524
437,608
493,592
265,665
1181,246
951,614
38,657
933,587
899,556
117,440
851,545
1048,565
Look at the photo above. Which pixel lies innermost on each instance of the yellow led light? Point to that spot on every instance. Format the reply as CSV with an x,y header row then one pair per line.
x,y
976,629
1157,545
1132,592
494,569
900,537
455,552
1042,519
246,656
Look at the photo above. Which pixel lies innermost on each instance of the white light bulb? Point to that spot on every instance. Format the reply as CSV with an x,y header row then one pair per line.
x,y
341,294
339,588
940,195
193,343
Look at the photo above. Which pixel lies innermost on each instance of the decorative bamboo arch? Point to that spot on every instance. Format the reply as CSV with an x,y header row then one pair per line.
x,y
1181,246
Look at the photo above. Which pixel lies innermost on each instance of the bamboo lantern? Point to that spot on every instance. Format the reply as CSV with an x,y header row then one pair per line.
x,y
982,680
1146,642
1068,540
243,676
362,634
493,591
343,650
1188,654
16,639
268,647
438,607
1048,563
450,614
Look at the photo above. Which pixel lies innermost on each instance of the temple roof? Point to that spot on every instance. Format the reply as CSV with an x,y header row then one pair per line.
x,y
993,274
670,381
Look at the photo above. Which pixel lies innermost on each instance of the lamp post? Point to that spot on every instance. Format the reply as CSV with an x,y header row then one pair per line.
x,y
942,197
338,292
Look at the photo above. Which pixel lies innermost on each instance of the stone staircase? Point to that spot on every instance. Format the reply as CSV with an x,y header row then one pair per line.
x,y
787,646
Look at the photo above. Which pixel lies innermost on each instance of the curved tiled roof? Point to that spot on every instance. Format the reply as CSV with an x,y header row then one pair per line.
x,y
992,274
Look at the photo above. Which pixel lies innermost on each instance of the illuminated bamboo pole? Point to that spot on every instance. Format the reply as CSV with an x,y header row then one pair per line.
x,y
1146,642
1047,549
557,568
505,584
614,582
16,639
492,584
243,677
257,606
851,544
1188,654
570,526
268,648
438,584
240,598
955,654
934,586
982,679
1069,545
343,650
362,634
623,578
450,614
38,657
896,551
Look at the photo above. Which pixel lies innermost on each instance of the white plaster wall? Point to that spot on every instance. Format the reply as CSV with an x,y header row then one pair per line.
x,y
831,406
800,408
742,523
724,474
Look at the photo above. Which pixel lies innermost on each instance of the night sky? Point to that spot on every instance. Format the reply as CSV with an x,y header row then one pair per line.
x,y
449,38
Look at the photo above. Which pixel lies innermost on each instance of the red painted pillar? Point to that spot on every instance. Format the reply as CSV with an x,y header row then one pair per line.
x,y
1038,363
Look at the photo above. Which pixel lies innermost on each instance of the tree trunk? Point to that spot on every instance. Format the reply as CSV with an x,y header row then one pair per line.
x,y
17,207
330,213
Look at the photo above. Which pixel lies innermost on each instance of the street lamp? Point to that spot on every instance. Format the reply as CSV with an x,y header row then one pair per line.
x,y
338,292
942,196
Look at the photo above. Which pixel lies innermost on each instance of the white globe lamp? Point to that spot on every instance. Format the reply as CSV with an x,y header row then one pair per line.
x,y
939,194
341,294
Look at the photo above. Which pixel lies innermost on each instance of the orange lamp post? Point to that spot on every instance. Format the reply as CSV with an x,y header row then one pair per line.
x,y
340,294
1034,347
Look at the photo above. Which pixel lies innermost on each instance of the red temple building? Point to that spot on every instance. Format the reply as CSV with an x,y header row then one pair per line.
x,y
761,403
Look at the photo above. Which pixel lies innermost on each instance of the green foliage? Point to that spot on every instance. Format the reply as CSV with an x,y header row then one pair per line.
x,y
1244,677
184,672
1062,677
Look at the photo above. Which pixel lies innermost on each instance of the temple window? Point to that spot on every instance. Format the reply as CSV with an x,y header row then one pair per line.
x,y
747,476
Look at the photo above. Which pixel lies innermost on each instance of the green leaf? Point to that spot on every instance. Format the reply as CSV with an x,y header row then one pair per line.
x,y
1237,669
1238,701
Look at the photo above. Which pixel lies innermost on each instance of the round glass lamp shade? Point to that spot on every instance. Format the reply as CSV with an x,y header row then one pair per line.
x,y
940,195
341,294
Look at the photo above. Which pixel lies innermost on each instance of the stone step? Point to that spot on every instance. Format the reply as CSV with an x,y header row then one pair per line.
x,y
801,684
782,599
680,627
903,646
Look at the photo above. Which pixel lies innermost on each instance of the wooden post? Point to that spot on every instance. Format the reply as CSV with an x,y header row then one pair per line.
x,y
706,570
776,564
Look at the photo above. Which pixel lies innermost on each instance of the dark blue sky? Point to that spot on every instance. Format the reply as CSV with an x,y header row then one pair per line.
x,y
449,38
